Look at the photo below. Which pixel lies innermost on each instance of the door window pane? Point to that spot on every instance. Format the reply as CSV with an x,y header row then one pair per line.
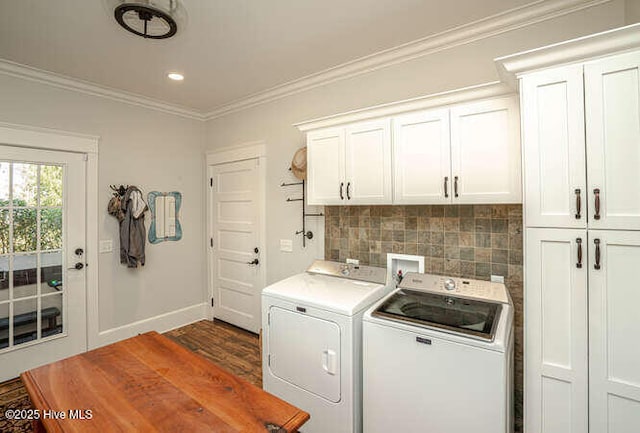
x,y
50,185
51,323
4,278
25,276
25,321
50,229
51,272
4,231
25,184
25,230
4,183
4,325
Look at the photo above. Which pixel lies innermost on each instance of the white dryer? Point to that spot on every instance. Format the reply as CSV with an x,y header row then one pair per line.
x,y
438,357
312,341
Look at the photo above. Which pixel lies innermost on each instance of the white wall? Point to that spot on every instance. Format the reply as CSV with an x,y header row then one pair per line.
x,y
445,70
154,151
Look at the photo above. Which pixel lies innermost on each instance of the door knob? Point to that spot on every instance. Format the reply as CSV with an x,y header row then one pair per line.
x,y
77,266
79,251
253,262
256,250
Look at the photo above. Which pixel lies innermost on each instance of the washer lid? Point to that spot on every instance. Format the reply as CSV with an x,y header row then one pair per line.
x,y
471,317
340,295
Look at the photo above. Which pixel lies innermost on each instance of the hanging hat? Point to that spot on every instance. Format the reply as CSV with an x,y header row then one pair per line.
x,y
299,163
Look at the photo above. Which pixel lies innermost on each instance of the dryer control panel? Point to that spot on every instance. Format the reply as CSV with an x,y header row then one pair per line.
x,y
349,271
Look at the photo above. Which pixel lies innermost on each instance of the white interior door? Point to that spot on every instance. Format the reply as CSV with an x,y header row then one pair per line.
x,y
422,158
554,148
485,152
614,327
42,240
612,95
556,399
368,163
237,268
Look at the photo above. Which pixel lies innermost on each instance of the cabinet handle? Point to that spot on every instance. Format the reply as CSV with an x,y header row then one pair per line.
x,y
597,264
578,204
348,187
597,203
455,186
579,242
446,188
341,186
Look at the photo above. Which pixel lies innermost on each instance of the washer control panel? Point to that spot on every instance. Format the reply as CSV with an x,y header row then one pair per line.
x,y
349,270
464,287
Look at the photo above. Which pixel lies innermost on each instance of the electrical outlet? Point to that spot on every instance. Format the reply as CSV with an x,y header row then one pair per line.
x,y
497,279
353,262
286,245
106,246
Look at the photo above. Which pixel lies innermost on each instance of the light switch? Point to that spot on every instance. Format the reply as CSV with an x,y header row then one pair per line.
x,y
106,246
286,245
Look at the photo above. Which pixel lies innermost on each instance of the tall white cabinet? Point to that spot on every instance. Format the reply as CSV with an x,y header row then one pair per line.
x,y
581,162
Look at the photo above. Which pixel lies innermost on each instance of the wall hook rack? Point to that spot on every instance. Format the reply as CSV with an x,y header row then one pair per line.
x,y
119,190
306,234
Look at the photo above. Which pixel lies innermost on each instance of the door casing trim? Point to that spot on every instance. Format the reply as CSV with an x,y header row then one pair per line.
x,y
51,139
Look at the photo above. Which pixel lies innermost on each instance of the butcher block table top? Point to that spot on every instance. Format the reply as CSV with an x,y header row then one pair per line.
x,y
149,383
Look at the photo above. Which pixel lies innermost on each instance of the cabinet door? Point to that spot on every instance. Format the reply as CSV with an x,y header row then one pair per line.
x,y
614,332
422,160
325,167
555,313
553,148
612,90
368,163
485,152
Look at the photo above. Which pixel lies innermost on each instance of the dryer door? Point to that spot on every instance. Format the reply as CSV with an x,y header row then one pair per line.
x,y
305,351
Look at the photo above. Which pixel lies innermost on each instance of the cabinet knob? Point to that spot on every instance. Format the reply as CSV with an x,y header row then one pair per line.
x,y
446,187
341,186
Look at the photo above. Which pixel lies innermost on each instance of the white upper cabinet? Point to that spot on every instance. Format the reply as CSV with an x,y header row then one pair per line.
x,y
612,90
485,152
368,163
350,165
554,149
325,166
465,154
422,161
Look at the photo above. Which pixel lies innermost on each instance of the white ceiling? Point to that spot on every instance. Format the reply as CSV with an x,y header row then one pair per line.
x,y
229,49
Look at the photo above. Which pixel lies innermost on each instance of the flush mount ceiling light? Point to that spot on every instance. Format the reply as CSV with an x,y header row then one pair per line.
x,y
175,76
150,19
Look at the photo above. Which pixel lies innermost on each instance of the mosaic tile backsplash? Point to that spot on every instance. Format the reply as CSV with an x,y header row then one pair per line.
x,y
471,241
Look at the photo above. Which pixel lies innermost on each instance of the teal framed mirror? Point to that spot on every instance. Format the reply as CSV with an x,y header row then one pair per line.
x,y
165,216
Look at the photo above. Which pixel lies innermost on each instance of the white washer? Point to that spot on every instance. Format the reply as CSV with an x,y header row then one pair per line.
x,y
312,341
438,357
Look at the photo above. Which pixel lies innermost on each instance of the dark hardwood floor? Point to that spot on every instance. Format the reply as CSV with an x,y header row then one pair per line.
x,y
232,348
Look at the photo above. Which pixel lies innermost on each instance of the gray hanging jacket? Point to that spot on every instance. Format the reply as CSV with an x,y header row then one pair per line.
x,y
132,230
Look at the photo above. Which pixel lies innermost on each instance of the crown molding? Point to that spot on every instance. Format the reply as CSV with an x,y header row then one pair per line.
x,y
493,89
576,50
514,19
30,73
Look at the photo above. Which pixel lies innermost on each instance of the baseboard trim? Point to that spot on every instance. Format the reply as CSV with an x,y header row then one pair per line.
x,y
161,323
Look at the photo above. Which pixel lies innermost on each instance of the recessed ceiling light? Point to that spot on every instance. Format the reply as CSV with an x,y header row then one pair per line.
x,y
175,76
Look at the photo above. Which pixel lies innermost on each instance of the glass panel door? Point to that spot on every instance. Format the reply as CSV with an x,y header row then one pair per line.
x,y
42,279
32,293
